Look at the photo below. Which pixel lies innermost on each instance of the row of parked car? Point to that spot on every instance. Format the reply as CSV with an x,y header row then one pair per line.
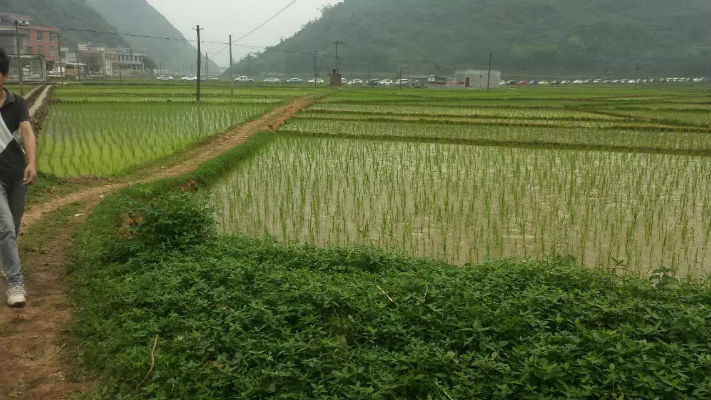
x,y
414,82
599,81
344,81
188,78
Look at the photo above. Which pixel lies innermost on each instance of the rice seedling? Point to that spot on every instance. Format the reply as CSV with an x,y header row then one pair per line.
x,y
460,111
467,204
106,138
499,131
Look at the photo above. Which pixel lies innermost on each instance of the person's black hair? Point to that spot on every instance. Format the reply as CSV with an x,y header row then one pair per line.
x,y
4,62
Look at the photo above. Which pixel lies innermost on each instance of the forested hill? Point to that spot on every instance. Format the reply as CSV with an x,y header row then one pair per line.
x,y
84,20
67,14
525,37
140,18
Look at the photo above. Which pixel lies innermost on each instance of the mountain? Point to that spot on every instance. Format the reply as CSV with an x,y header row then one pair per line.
x,y
140,18
545,37
83,21
74,14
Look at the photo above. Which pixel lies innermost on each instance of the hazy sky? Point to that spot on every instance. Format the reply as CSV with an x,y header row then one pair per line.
x,y
220,18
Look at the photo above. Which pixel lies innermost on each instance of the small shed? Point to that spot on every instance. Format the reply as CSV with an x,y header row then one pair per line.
x,y
476,79
336,78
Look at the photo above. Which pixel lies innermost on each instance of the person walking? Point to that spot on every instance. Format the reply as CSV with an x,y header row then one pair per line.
x,y
18,168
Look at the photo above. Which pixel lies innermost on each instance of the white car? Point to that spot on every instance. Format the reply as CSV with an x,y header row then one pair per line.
x,y
356,82
164,78
244,79
272,80
402,82
317,80
386,82
189,78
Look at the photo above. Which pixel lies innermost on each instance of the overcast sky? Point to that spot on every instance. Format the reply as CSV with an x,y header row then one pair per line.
x,y
220,18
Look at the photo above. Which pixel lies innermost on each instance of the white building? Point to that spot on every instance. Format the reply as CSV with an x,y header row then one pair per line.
x,y
476,79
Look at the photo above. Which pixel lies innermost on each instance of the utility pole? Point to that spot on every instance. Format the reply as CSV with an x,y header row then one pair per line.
x,y
315,67
59,54
400,80
20,66
636,75
337,43
79,65
488,76
232,77
199,56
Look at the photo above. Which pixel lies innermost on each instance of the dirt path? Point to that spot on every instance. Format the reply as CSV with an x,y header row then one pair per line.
x,y
31,339
192,159
41,99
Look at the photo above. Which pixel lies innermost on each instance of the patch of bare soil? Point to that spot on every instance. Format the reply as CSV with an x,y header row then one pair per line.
x,y
31,341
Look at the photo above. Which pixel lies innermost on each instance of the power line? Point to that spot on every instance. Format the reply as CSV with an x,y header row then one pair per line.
x,y
136,35
267,21
248,46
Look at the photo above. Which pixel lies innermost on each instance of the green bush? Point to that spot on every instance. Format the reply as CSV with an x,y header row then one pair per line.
x,y
242,318
163,224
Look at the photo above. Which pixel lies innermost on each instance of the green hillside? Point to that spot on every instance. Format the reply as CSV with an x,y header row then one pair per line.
x,y
555,37
140,18
73,14
84,20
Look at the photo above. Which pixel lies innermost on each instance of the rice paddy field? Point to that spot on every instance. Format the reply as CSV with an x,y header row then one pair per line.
x,y
392,244
618,178
106,130
614,177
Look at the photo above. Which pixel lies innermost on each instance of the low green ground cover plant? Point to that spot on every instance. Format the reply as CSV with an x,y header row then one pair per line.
x,y
244,318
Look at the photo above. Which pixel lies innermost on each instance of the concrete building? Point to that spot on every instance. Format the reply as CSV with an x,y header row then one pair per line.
x,y
131,62
476,79
7,33
34,40
109,62
31,61
43,40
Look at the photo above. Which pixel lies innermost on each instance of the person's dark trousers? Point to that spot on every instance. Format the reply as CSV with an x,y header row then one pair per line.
x,y
12,205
